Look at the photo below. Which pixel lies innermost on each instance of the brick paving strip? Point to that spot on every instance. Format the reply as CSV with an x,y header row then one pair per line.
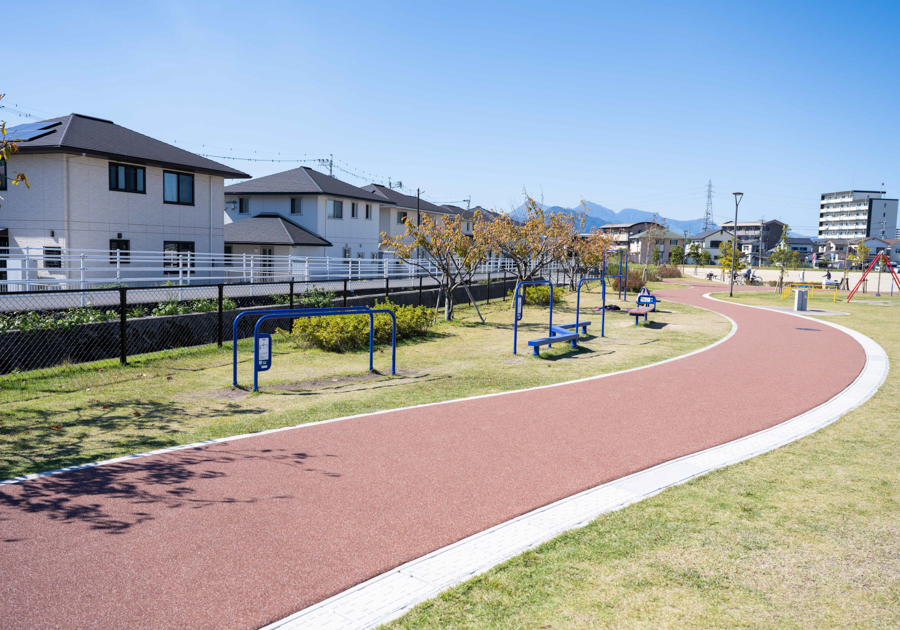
x,y
243,532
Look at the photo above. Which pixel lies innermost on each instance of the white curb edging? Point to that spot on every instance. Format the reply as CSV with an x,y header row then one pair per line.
x,y
392,594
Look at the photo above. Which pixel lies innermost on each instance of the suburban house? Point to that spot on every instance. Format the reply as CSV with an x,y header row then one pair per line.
x,y
641,249
755,237
805,248
310,213
709,241
399,209
622,232
468,216
95,185
833,252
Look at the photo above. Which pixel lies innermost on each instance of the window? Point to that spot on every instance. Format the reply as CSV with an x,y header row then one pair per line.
x,y
127,178
673,242
368,211
295,206
175,252
401,218
228,260
360,255
4,252
123,246
178,188
353,207
3,174
335,209
244,205
346,253
52,258
715,244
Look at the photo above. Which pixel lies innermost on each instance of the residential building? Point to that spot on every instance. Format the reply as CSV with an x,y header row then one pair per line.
x,y
756,236
805,248
622,232
832,252
270,234
709,241
400,208
95,185
640,247
343,219
856,214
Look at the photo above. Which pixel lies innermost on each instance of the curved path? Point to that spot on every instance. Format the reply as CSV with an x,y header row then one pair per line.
x,y
241,533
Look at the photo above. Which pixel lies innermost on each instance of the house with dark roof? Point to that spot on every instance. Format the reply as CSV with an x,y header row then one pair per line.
x,y
640,247
344,219
709,241
400,208
95,185
622,232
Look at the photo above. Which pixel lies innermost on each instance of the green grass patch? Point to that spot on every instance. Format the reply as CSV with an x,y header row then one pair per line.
x,y
803,537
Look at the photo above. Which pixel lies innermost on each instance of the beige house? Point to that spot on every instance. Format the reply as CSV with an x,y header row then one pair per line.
x,y
640,247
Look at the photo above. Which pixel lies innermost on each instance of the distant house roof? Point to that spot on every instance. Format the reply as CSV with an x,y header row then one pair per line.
x,y
468,215
619,226
400,200
759,222
666,234
707,234
800,240
96,137
271,229
301,181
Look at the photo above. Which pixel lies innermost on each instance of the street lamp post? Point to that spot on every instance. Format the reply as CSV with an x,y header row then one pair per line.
x,y
684,252
737,201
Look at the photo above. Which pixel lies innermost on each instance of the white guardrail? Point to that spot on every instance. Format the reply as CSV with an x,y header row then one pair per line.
x,y
43,269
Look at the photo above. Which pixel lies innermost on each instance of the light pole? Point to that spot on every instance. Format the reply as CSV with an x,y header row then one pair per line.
x,y
737,202
684,252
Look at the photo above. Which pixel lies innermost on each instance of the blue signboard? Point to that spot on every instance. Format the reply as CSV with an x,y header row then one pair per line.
x,y
264,352
520,300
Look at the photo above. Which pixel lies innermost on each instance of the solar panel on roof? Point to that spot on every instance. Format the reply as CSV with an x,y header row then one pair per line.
x,y
30,131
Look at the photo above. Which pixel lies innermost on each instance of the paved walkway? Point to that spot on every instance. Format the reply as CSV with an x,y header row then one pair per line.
x,y
242,533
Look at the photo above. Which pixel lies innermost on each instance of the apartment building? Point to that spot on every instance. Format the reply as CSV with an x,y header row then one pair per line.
x,y
755,237
856,214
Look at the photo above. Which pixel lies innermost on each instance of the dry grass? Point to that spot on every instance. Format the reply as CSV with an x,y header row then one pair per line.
x,y
803,537
73,415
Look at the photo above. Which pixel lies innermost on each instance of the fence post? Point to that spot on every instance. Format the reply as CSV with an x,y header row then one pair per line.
x,y
82,281
221,313
252,268
28,268
489,288
123,326
292,292
420,290
118,265
387,284
345,291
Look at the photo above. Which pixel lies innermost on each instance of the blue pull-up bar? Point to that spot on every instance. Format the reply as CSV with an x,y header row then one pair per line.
x,y
578,301
518,312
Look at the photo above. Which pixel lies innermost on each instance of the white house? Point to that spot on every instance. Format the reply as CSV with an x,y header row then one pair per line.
x,y
340,220
400,208
95,185
709,241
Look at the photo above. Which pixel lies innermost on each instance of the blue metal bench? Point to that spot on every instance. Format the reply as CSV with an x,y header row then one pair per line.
x,y
560,334
647,300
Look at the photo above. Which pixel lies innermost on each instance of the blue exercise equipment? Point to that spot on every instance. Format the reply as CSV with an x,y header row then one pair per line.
x,y
623,272
647,300
262,342
556,334
602,310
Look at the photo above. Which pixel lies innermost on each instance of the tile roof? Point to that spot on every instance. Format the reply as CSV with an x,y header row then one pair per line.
x,y
301,181
407,202
77,133
271,229
707,233
665,234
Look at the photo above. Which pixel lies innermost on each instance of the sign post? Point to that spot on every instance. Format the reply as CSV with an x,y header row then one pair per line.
x,y
263,352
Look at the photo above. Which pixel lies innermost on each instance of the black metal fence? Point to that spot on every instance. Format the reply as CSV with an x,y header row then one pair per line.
x,y
68,328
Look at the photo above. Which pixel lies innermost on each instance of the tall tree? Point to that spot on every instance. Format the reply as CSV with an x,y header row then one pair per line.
x,y
859,255
725,256
451,257
676,256
694,252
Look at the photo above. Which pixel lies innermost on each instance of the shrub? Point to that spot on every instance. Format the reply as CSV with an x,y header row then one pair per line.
x,y
539,295
667,271
351,332
172,307
318,298
635,280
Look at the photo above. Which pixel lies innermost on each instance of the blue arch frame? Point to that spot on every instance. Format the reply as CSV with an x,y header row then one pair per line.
x,y
316,312
623,264
602,311
515,317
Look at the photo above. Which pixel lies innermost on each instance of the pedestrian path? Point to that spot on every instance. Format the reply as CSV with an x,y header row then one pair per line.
x,y
246,532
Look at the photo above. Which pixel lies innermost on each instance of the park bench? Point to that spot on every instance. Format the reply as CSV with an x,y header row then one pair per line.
x,y
647,300
637,312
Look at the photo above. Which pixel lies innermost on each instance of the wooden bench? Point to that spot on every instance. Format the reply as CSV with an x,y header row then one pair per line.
x,y
560,334
637,312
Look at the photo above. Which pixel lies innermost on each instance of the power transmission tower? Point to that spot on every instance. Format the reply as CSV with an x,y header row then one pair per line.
x,y
707,218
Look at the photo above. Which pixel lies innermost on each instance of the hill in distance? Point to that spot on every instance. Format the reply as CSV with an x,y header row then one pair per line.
x,y
598,215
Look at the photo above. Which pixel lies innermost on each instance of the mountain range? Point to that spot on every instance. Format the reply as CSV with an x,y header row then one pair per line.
x,y
597,215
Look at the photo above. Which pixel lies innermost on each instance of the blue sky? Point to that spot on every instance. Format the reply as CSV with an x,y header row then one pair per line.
x,y
625,104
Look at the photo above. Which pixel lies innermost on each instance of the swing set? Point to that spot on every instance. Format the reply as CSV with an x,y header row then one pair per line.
x,y
880,256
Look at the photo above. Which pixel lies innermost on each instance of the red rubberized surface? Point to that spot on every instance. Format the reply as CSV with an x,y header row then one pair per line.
x,y
242,533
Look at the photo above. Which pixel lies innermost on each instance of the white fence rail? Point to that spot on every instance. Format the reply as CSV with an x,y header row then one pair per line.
x,y
43,269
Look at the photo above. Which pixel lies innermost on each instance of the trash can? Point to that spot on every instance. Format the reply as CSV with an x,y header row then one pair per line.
x,y
800,299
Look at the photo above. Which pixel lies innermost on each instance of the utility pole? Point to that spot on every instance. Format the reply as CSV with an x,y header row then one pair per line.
x,y
331,165
707,218
762,226
684,252
418,215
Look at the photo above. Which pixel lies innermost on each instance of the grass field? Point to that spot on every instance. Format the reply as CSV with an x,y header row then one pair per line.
x,y
803,537
66,416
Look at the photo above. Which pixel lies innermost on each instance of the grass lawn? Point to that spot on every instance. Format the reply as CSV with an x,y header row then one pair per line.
x,y
66,416
807,536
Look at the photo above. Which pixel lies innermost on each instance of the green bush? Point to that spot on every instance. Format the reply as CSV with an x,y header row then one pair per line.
x,y
317,298
351,332
539,295
635,280
28,321
667,271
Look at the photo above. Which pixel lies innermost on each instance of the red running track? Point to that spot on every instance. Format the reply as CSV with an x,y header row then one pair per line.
x,y
243,533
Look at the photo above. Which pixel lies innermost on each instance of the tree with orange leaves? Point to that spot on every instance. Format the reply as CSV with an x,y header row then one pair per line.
x,y
440,248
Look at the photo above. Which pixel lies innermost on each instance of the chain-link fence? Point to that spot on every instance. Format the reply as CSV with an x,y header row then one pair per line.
x,y
65,339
